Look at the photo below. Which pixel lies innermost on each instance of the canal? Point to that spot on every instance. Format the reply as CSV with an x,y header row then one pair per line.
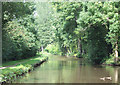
x,y
60,69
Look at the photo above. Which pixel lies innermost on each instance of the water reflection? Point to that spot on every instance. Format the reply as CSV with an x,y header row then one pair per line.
x,y
70,70
116,75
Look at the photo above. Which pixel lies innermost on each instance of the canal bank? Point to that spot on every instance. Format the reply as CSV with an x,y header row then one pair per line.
x,y
111,62
13,70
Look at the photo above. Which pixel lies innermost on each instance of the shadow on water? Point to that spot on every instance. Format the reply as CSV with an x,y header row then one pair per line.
x,y
61,69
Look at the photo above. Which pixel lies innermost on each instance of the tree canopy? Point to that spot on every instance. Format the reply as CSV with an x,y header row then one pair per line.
x,y
84,29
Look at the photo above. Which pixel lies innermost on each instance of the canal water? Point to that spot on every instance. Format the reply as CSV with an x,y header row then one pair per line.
x,y
60,69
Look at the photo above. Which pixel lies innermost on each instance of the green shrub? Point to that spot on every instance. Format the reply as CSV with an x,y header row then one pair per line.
x,y
53,49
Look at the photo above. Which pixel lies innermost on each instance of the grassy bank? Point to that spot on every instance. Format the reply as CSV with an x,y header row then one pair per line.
x,y
111,62
13,69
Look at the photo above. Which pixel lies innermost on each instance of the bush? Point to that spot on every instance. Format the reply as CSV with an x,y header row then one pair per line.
x,y
53,49
18,42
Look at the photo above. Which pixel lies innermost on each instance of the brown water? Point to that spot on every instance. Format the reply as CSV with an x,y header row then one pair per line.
x,y
59,69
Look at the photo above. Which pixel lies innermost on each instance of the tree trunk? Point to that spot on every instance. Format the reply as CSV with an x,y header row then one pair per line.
x,y
42,48
80,46
116,49
116,52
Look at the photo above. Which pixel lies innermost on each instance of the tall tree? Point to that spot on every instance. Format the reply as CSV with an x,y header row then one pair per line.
x,y
44,20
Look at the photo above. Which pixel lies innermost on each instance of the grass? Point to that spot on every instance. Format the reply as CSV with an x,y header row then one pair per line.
x,y
10,63
20,67
110,61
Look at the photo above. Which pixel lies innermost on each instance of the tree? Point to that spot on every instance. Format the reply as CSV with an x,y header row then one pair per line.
x,y
44,20
18,33
68,15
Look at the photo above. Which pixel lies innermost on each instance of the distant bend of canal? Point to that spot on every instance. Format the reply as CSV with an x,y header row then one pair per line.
x,y
61,69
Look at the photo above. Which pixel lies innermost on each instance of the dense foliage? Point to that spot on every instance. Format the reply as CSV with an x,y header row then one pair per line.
x,y
24,33
19,39
82,29
90,29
